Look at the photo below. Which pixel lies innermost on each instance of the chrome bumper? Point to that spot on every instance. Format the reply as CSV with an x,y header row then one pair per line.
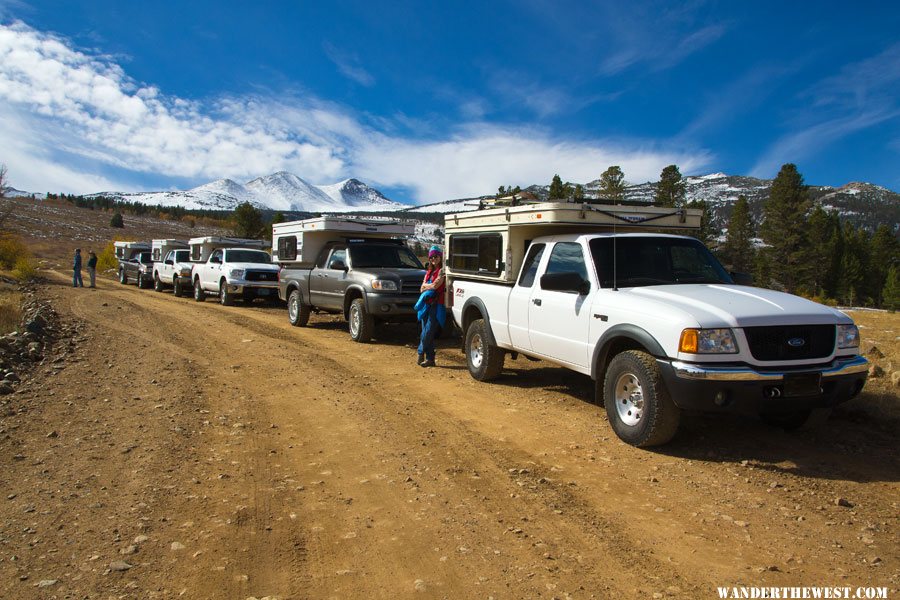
x,y
838,367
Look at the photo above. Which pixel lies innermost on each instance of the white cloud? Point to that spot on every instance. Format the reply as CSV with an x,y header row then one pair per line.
x,y
348,65
69,115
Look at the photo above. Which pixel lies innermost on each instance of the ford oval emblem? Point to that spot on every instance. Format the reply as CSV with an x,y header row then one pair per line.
x,y
796,342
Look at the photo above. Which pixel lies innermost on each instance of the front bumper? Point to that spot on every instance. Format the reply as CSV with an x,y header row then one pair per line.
x,y
743,389
254,289
392,307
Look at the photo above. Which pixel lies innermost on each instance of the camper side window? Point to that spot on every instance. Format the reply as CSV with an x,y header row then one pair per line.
x,y
156,254
287,247
195,253
476,253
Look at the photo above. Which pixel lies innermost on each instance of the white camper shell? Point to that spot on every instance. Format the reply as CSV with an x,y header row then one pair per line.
x,y
490,244
202,247
298,243
161,247
128,250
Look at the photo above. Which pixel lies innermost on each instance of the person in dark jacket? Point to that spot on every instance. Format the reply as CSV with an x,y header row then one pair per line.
x,y
76,270
92,267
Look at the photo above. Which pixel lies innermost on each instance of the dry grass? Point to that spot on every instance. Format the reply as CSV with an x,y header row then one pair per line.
x,y
10,310
12,250
880,333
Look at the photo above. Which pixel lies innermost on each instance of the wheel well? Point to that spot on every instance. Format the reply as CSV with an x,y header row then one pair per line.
x,y
348,300
613,347
472,313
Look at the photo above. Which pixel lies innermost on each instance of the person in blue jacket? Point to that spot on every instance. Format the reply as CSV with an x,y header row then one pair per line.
x,y
76,270
430,308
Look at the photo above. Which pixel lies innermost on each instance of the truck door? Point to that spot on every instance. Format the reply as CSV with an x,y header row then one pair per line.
x,y
520,298
327,284
559,322
212,271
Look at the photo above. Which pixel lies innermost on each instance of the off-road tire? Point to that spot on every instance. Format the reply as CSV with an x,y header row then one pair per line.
x,y
485,361
123,277
157,283
140,282
638,405
176,287
362,325
298,312
199,294
797,420
225,297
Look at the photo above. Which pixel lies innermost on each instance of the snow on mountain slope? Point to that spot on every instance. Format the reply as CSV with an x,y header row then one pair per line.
x,y
355,193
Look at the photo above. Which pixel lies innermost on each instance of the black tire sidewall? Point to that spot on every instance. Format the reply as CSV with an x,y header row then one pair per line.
x,y
654,417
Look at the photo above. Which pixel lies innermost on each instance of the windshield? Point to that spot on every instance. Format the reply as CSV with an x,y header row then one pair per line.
x,y
182,256
383,256
247,256
145,258
644,261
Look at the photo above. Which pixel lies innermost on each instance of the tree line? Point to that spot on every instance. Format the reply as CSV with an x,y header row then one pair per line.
x,y
796,246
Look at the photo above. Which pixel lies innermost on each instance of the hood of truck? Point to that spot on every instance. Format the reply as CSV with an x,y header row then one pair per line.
x,y
714,305
251,266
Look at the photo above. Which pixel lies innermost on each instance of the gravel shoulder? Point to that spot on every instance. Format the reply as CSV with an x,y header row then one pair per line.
x,y
191,449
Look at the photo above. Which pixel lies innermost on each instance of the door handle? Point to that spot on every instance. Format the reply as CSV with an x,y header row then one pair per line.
x,y
536,301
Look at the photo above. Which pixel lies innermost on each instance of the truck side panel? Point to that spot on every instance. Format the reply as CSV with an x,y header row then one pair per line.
x,y
495,300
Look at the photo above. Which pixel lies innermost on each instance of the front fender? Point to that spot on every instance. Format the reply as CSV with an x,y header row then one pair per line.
x,y
628,335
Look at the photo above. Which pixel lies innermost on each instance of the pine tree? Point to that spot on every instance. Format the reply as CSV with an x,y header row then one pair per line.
x,y
784,229
557,190
671,189
705,233
891,293
117,221
819,252
578,193
854,263
248,221
612,184
884,254
738,248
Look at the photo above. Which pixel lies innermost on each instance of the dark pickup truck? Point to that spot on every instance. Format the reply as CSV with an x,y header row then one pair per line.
x,y
138,268
368,281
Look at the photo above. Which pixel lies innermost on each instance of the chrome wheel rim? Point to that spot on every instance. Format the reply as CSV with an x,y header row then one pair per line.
x,y
222,293
354,322
476,351
629,399
293,309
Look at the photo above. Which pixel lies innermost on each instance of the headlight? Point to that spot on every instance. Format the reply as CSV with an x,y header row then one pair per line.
x,y
185,272
387,285
707,341
847,336
236,273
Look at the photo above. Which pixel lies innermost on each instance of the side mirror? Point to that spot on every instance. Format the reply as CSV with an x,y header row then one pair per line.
x,y
742,278
170,262
339,265
569,281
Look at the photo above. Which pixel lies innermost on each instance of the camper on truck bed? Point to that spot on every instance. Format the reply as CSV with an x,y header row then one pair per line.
x,y
362,270
653,318
171,265
135,263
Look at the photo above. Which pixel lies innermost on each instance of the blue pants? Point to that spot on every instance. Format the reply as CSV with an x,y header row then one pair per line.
x,y
76,278
430,327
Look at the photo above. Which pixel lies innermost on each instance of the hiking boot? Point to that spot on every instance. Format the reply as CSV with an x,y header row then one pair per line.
x,y
421,359
427,363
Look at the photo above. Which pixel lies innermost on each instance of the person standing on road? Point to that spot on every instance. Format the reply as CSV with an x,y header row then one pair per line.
x,y
76,270
430,307
92,267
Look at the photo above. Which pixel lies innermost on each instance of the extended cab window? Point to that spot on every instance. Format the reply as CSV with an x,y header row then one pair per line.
x,y
530,266
476,253
567,257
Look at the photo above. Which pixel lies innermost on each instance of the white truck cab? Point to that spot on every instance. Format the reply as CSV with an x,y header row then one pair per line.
x,y
171,265
233,268
652,317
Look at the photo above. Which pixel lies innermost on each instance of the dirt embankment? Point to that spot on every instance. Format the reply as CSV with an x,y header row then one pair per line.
x,y
194,450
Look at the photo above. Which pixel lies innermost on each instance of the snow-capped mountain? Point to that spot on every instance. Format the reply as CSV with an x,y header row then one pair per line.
x,y
281,191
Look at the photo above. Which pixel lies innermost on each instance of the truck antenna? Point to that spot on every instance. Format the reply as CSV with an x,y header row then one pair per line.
x,y
615,286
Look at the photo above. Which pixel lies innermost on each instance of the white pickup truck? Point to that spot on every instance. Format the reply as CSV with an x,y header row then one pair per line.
x,y
174,270
653,318
232,273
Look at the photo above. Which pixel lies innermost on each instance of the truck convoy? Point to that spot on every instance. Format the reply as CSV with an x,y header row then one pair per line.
x,y
135,263
652,317
362,270
232,268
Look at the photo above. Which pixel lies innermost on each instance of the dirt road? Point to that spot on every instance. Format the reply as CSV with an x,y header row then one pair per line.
x,y
202,451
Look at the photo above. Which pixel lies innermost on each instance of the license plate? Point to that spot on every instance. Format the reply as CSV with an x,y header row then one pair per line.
x,y
802,384
264,291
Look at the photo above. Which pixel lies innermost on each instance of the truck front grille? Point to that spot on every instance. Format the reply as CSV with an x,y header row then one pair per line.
x,y
261,276
410,286
790,342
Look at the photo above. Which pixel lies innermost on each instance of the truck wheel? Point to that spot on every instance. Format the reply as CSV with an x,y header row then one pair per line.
x,y
298,313
176,285
362,325
199,294
639,407
157,284
123,278
797,419
484,360
225,297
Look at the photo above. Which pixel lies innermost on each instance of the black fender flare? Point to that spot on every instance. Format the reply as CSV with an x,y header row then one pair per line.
x,y
301,285
479,305
351,291
623,330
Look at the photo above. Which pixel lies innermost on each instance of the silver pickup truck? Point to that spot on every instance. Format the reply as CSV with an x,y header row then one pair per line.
x,y
367,281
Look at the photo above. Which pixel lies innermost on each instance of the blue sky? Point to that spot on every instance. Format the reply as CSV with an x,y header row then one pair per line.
x,y
429,101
